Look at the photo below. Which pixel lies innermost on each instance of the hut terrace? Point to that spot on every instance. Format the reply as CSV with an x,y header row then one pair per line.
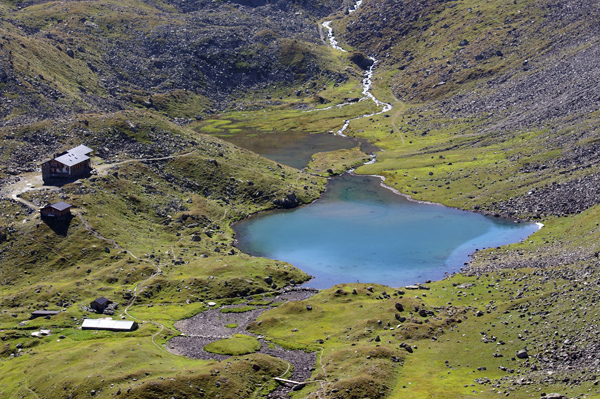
x,y
72,163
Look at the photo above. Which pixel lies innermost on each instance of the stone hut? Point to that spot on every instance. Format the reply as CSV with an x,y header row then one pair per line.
x,y
100,304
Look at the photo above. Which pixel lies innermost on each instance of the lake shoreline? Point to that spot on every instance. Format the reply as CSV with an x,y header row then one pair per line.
x,y
363,231
477,211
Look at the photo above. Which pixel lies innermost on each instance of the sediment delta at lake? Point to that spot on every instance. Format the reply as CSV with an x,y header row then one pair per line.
x,y
217,323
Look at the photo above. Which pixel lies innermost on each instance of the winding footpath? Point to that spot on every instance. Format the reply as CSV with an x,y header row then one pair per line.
x,y
198,330
33,181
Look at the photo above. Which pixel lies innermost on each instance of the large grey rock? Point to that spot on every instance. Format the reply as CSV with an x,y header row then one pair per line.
x,y
522,354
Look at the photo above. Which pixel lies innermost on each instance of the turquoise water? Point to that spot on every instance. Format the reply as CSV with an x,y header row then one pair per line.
x,y
360,231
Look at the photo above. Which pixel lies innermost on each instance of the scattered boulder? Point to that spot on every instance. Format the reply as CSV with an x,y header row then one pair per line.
x,y
522,354
361,60
289,201
298,387
408,348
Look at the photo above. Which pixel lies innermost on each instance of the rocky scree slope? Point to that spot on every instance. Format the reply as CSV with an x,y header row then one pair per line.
x,y
60,58
495,71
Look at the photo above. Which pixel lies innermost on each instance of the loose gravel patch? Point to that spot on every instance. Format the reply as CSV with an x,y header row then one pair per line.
x,y
210,326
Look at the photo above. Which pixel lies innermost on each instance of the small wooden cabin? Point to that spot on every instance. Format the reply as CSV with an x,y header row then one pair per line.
x,y
58,210
100,304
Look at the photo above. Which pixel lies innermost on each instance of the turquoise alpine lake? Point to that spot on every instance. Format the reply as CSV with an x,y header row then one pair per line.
x,y
359,231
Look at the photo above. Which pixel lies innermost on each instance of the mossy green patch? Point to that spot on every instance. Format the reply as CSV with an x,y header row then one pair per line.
x,y
237,345
260,303
336,162
241,309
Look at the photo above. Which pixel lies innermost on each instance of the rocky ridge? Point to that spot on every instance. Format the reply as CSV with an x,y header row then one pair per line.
x,y
204,51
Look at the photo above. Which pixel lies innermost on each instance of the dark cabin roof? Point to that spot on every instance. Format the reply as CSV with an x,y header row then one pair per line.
x,y
102,301
59,206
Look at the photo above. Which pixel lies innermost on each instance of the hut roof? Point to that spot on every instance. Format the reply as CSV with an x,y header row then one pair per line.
x,y
108,324
59,206
102,301
74,155
71,159
80,150
43,313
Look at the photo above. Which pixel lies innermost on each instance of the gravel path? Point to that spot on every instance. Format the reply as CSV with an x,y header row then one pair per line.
x,y
209,326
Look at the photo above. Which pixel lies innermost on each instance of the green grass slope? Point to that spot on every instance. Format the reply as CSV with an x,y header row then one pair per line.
x,y
152,233
504,124
494,110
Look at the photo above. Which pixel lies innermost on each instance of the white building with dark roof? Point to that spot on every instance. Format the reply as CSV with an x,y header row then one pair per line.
x,y
72,163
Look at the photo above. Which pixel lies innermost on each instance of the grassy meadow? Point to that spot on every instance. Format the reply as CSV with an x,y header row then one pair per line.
x,y
151,230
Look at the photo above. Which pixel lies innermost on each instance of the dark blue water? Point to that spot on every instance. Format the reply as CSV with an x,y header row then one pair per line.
x,y
360,231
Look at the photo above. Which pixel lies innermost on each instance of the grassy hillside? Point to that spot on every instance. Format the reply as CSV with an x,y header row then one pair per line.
x,y
182,60
504,123
494,111
152,233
